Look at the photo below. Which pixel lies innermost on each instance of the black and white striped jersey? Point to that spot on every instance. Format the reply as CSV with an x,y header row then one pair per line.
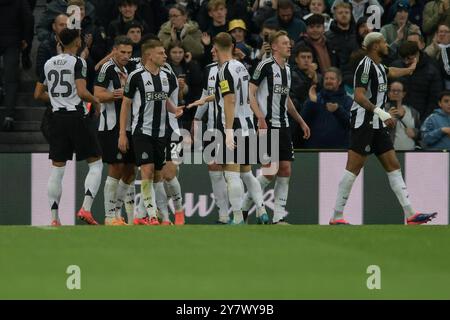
x,y
209,88
233,78
109,78
273,83
173,122
60,73
149,93
373,78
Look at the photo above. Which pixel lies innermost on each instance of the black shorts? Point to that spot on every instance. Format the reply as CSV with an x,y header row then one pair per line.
x,y
149,149
72,132
365,140
283,143
109,141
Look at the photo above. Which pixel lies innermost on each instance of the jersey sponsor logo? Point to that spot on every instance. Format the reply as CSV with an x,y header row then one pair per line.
x,y
280,89
156,96
224,86
365,78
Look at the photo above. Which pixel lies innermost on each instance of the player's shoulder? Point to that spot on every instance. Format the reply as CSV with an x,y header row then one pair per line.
x,y
265,63
136,73
211,66
167,68
107,67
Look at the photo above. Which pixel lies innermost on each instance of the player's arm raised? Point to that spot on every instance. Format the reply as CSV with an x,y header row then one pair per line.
x,y
255,107
402,72
298,118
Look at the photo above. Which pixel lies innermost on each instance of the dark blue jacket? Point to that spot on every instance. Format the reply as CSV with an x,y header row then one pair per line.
x,y
328,129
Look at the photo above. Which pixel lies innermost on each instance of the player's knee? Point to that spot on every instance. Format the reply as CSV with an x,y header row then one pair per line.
x,y
285,170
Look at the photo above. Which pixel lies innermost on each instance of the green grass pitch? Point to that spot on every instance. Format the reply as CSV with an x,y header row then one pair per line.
x,y
225,262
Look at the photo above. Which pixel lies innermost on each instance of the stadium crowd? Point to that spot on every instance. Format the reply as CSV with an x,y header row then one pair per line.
x,y
326,38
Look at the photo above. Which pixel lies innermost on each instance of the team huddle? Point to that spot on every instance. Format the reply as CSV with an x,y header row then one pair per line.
x,y
135,103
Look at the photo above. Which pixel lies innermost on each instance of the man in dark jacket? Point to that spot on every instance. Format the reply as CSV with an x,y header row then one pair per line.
x,y
286,20
425,84
342,38
56,7
15,27
328,114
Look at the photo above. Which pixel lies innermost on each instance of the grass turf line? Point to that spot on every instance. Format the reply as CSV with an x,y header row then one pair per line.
x,y
225,262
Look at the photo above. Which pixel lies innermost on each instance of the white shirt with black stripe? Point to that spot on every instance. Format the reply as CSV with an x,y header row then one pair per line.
x,y
173,122
109,78
273,83
60,74
209,88
373,78
149,93
234,79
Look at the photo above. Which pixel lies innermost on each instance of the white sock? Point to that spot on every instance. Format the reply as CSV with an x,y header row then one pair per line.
x,y
345,186
219,187
280,193
399,187
141,212
120,197
109,192
161,200
248,202
148,198
235,190
129,201
254,189
92,183
174,192
54,190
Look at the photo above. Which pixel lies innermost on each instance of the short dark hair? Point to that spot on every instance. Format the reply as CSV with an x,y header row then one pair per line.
x,y
67,36
398,81
408,48
129,2
315,19
148,37
302,49
270,25
133,24
122,40
180,8
445,93
285,4
175,44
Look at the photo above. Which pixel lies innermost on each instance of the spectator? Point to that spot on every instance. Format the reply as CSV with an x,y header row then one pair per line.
x,y
328,113
304,75
342,38
236,9
134,30
153,13
127,9
105,12
360,7
263,10
440,39
444,65
189,77
286,20
415,16
264,51
242,51
319,7
436,128
435,13
397,31
302,8
406,132
424,85
314,38
362,30
180,28
54,8
50,47
15,28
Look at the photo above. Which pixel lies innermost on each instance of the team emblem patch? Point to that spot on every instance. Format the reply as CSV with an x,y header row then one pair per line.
x,y
256,74
127,87
365,78
165,82
84,72
224,86
101,77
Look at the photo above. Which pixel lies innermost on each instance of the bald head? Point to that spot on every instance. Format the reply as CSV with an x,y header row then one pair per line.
x,y
60,23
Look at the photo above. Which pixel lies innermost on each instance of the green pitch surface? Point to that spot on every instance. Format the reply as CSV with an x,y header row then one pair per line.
x,y
225,262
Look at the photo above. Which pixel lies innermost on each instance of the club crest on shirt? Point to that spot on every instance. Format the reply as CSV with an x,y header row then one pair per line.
x,y
165,82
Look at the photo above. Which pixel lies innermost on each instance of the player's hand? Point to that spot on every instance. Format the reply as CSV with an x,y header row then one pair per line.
x,y
97,106
123,143
196,103
179,111
123,79
390,123
262,126
410,132
229,139
118,94
306,130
